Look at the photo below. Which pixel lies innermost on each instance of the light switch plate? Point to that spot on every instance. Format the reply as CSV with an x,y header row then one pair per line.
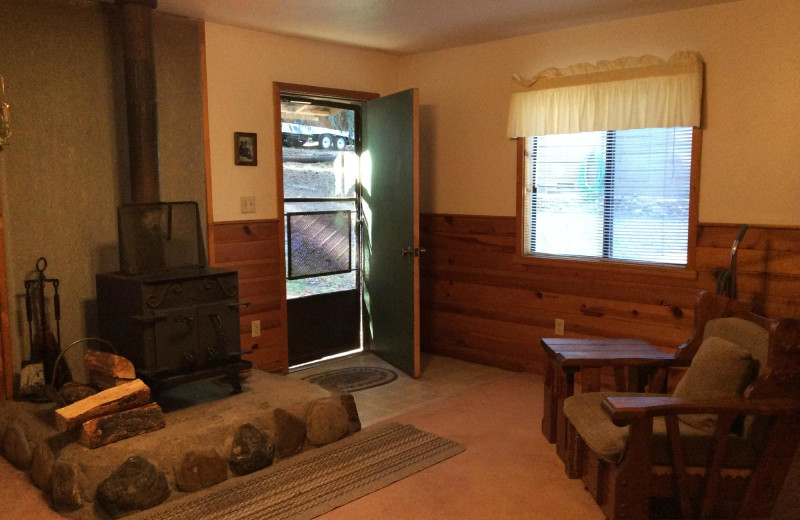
x,y
248,204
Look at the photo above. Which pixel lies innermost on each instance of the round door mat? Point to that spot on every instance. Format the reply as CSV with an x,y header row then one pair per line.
x,y
349,380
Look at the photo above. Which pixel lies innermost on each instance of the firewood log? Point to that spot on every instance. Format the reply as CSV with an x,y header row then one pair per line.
x,y
117,399
105,381
108,364
122,425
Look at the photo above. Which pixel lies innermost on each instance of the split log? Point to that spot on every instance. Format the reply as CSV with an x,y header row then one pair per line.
x,y
105,381
117,426
109,364
117,399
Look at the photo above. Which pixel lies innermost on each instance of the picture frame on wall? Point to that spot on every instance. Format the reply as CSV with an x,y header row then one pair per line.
x,y
245,148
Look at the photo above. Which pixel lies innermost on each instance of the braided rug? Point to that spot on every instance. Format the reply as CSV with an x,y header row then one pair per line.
x,y
316,481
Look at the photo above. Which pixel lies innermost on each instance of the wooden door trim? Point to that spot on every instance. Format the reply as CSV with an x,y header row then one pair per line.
x,y
312,91
6,365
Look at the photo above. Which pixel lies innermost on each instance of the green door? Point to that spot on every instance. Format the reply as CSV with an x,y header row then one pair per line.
x,y
390,232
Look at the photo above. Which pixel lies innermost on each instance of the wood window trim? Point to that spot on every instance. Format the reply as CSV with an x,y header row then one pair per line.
x,y
609,266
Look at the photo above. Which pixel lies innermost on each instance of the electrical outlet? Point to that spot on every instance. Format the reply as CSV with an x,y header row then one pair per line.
x,y
559,327
248,204
255,328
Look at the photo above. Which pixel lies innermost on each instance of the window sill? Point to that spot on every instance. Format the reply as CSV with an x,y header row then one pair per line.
x,y
606,266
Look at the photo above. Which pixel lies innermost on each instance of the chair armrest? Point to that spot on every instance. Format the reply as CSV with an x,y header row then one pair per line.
x,y
623,410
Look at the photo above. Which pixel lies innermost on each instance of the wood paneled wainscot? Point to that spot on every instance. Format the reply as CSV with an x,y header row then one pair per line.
x,y
253,249
479,303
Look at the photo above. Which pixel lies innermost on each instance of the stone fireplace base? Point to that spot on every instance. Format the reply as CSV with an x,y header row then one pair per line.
x,y
201,444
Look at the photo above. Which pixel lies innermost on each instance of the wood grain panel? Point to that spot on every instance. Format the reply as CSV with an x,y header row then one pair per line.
x,y
480,303
252,248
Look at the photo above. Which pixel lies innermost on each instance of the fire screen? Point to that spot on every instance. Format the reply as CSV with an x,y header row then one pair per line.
x,y
319,243
160,236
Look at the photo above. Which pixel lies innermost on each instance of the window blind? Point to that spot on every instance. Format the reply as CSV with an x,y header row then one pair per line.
x,y
620,195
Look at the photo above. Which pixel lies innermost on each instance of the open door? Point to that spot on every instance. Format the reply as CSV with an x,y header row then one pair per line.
x,y
390,231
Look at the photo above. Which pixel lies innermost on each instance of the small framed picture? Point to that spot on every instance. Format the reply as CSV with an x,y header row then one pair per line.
x,y
245,148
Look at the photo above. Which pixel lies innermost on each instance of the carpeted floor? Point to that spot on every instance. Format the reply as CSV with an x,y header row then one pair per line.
x,y
508,471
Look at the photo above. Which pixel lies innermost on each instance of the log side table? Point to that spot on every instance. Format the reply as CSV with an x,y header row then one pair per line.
x,y
565,356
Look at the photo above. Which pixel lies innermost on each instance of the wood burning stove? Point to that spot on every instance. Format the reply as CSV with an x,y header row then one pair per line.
x,y
172,316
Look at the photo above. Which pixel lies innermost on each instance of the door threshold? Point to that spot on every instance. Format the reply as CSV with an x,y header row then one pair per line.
x,y
336,357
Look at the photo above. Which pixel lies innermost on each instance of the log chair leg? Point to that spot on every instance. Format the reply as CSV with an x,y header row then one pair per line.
x,y
573,460
629,492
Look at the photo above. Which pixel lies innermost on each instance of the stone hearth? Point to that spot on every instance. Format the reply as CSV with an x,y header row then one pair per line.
x,y
196,448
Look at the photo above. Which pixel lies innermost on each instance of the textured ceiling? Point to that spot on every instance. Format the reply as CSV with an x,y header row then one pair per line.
x,y
412,26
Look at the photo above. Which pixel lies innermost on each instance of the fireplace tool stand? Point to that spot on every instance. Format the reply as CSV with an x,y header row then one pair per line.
x,y
45,347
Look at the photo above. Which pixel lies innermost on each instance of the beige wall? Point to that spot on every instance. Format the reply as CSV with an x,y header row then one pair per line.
x,y
751,156
65,170
242,65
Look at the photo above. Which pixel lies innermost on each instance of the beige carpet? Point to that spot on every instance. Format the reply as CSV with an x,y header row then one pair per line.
x,y
508,471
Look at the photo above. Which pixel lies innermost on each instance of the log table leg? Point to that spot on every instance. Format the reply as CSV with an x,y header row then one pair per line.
x,y
567,389
550,409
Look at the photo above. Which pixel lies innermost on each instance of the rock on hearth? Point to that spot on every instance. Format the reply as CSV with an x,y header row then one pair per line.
x,y
16,447
251,450
65,487
135,485
290,433
200,469
42,465
327,421
349,403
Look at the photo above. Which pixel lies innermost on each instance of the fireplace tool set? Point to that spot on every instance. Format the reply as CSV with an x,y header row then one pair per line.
x,y
45,346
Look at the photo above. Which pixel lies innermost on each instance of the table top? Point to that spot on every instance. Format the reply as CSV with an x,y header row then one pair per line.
x,y
605,352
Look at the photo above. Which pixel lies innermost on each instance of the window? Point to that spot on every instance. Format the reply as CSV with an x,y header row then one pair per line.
x,y
614,195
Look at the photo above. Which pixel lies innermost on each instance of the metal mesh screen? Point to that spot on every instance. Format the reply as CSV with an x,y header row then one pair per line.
x,y
319,243
160,236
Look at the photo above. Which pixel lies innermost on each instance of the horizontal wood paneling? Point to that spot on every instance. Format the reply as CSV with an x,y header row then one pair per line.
x,y
253,249
481,304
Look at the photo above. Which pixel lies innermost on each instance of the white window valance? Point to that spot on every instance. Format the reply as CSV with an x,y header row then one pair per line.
x,y
626,93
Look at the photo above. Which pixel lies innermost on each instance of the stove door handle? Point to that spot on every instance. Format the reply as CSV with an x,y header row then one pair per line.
x,y
184,318
238,304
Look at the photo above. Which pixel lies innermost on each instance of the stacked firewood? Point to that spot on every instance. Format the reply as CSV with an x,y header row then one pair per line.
x,y
122,409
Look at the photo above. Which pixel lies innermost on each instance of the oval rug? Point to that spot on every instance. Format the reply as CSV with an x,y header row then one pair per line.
x,y
349,380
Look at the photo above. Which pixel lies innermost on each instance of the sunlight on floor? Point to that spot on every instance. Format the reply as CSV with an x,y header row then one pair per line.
x,y
441,377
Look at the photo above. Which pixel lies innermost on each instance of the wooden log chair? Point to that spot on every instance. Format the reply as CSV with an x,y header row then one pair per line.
x,y
707,307
719,447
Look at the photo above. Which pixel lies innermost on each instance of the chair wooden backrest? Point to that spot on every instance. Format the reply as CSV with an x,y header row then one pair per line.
x,y
707,307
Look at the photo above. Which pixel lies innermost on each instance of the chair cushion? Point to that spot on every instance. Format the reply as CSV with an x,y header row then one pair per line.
x,y
746,334
609,441
594,425
719,369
